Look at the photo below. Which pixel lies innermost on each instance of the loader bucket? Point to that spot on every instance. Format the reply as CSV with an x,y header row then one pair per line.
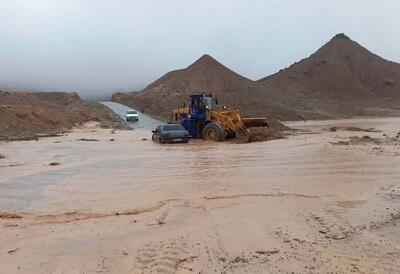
x,y
242,135
255,122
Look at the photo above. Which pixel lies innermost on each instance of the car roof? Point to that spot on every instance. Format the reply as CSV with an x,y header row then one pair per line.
x,y
172,125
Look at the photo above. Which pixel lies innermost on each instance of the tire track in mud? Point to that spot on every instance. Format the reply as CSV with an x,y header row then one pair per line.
x,y
185,255
169,256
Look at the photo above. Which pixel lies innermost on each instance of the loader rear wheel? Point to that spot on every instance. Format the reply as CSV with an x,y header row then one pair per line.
x,y
214,132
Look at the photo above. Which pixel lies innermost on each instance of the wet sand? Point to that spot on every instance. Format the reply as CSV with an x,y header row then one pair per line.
x,y
314,202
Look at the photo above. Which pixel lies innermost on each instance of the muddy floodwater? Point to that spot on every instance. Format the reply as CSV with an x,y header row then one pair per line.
x,y
324,199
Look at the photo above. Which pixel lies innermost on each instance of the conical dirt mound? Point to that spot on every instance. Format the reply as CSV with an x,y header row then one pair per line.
x,y
204,75
341,79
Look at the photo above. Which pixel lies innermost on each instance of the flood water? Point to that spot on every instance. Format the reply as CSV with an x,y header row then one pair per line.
x,y
129,171
122,204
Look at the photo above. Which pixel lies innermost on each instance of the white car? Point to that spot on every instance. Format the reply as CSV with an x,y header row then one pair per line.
x,y
132,115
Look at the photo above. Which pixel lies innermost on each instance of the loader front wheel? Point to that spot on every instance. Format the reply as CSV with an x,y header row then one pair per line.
x,y
214,132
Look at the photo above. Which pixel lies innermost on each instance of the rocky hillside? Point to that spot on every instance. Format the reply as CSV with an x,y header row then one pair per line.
x,y
342,79
173,89
25,115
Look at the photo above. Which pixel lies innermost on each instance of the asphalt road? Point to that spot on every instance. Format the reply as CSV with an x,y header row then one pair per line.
x,y
145,121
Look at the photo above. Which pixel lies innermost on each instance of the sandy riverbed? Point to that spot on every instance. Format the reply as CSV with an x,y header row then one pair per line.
x,y
323,200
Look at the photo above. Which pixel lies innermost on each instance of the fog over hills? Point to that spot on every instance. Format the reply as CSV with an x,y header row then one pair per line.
x,y
96,48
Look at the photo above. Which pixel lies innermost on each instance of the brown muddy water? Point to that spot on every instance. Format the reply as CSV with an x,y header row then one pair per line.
x,y
220,202
131,168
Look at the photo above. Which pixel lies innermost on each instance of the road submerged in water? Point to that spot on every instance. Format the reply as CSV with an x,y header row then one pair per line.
x,y
145,121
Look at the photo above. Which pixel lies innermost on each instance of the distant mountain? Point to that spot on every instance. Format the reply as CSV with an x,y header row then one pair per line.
x,y
173,89
341,79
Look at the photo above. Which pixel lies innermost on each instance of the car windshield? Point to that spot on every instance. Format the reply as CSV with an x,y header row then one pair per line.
x,y
173,127
131,112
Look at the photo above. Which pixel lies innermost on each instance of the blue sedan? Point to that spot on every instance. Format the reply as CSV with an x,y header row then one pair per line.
x,y
171,133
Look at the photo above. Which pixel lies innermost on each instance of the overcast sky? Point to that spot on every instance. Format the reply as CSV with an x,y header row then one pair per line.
x,y
97,47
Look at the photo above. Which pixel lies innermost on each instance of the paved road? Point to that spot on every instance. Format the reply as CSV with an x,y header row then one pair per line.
x,y
145,121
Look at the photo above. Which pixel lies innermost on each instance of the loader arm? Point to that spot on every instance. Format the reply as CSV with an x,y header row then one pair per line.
x,y
230,120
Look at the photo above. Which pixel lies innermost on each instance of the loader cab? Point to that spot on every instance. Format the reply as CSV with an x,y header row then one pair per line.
x,y
200,103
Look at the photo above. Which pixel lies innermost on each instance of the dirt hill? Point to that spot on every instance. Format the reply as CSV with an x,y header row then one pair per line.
x,y
342,79
24,115
206,74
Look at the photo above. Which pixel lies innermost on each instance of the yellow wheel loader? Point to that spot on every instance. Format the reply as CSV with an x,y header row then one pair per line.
x,y
203,120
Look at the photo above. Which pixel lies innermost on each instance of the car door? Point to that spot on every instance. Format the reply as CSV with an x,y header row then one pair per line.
x,y
157,133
